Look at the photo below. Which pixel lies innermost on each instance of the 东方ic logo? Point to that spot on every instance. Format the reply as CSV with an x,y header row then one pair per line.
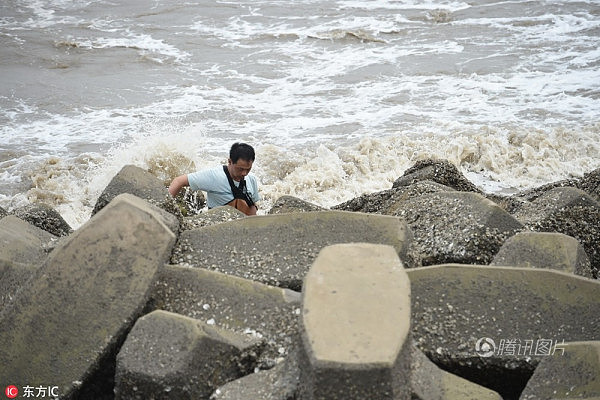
x,y
11,391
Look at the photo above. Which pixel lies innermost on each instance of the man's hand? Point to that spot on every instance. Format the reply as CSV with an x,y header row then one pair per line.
x,y
177,184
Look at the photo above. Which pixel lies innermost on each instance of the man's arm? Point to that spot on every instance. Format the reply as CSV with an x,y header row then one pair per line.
x,y
177,184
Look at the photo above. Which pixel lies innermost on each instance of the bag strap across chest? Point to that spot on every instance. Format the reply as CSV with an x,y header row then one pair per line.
x,y
239,192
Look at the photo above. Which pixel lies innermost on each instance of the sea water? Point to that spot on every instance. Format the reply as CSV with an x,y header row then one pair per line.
x,y
337,97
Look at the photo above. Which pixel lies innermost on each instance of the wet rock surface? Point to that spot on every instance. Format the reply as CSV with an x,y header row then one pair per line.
x,y
44,217
279,249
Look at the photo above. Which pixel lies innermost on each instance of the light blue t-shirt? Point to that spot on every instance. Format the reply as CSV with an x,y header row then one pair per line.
x,y
214,182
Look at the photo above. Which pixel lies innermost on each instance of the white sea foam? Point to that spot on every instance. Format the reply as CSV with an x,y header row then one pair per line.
x,y
324,173
337,103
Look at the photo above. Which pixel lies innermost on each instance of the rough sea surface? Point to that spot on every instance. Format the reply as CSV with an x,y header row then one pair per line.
x,y
338,97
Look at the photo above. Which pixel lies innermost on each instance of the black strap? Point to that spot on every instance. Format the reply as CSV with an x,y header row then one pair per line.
x,y
239,192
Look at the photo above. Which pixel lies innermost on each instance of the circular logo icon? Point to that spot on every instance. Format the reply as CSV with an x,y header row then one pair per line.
x,y
485,347
11,391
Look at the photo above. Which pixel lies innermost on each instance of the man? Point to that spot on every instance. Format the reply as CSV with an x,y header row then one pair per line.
x,y
222,184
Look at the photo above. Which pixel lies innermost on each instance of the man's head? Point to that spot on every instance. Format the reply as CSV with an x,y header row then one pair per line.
x,y
241,157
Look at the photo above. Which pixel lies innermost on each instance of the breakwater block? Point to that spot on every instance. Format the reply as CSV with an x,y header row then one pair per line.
x,y
290,204
170,356
570,211
13,277
78,308
233,303
278,383
456,227
428,382
44,217
279,249
22,242
572,372
140,183
545,250
356,325
493,325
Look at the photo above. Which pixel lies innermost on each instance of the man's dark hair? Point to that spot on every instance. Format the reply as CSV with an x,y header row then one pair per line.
x,y
241,150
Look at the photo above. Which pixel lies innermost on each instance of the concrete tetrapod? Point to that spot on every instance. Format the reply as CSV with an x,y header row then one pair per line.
x,y
544,250
232,303
75,312
170,356
570,211
355,325
493,325
279,249
140,183
23,248
22,242
571,373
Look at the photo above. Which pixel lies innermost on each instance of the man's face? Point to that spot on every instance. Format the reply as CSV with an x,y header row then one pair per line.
x,y
240,169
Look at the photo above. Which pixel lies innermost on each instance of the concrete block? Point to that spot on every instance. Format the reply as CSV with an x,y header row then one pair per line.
x,y
169,356
229,302
279,249
22,242
278,383
213,216
570,211
440,171
13,278
388,201
356,325
66,327
44,217
457,227
487,324
590,183
140,183
288,204
544,250
572,372
429,382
